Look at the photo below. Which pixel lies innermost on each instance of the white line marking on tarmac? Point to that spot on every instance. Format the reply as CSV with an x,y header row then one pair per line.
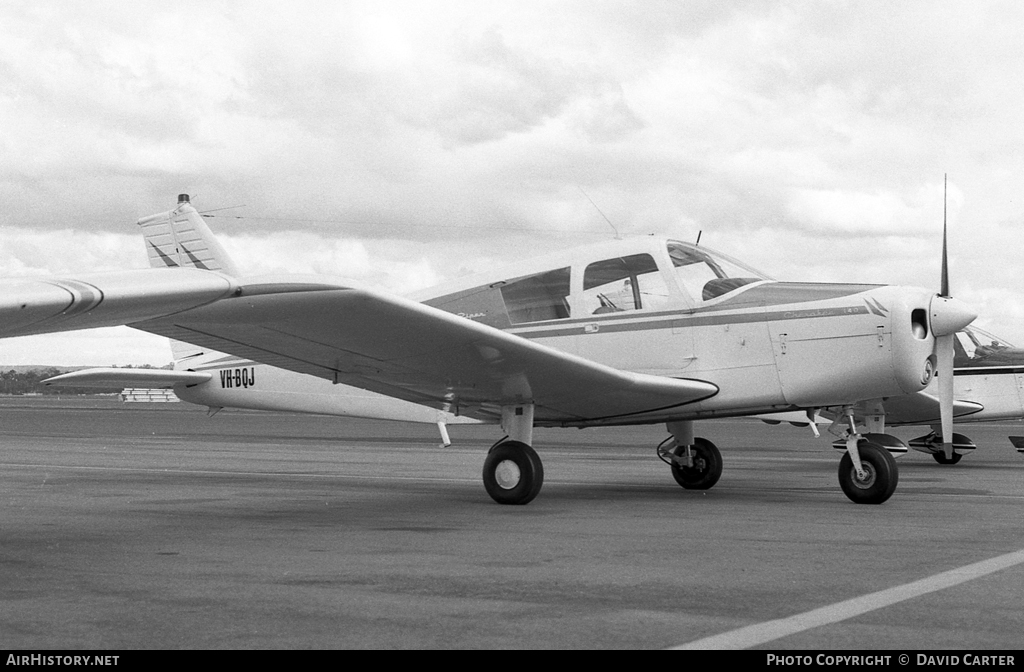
x,y
752,635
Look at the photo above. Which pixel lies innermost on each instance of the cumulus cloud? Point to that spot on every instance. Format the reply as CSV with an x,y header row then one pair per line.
x,y
884,213
433,131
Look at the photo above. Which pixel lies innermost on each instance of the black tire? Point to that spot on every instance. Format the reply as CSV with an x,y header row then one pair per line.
x,y
706,469
941,458
880,481
513,473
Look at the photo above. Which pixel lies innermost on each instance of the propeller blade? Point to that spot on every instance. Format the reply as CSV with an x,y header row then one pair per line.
x,y
947,316
944,290
944,355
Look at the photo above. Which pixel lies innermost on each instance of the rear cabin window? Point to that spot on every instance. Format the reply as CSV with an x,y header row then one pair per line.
x,y
623,283
536,298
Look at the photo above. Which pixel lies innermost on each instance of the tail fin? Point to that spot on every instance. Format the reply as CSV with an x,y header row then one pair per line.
x,y
181,238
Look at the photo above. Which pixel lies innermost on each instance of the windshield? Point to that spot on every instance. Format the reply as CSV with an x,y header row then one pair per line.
x,y
977,344
707,274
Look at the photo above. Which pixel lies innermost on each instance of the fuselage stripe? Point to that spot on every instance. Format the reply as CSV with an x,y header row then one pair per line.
x,y
681,319
988,370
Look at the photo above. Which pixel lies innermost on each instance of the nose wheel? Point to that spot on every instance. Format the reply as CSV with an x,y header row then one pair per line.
x,y
879,474
513,473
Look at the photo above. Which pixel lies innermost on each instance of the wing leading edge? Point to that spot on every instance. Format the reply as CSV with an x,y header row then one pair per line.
x,y
411,351
922,407
45,305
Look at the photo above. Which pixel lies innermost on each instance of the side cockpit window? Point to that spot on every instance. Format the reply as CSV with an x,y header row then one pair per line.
x,y
623,283
974,346
536,298
707,275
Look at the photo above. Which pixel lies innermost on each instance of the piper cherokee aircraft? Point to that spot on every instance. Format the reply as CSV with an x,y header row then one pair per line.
x,y
988,385
624,332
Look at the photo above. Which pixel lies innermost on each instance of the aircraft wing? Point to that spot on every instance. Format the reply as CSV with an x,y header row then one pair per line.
x,y
44,305
376,341
923,408
150,378
908,409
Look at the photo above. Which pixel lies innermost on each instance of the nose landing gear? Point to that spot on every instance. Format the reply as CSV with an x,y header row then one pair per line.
x,y
875,481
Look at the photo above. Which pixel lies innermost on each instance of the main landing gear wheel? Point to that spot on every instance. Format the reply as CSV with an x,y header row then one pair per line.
x,y
513,473
706,469
941,458
880,474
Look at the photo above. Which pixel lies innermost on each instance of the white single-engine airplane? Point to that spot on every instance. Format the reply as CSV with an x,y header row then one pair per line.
x,y
625,332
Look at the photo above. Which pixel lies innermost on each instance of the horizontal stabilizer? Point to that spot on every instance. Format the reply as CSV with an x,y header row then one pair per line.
x,y
152,378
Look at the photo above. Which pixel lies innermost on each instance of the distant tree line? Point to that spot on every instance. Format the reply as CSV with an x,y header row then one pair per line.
x,y
30,382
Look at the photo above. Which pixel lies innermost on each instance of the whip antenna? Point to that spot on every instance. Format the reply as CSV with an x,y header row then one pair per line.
x,y
617,236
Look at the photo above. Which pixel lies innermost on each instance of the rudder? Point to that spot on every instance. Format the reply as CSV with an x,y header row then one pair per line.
x,y
181,238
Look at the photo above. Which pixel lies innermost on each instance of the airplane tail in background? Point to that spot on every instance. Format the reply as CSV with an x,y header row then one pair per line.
x,y
181,238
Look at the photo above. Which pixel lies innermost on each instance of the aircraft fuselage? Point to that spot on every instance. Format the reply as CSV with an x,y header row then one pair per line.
x,y
767,346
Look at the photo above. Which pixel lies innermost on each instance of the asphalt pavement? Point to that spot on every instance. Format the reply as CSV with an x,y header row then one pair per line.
x,y
144,526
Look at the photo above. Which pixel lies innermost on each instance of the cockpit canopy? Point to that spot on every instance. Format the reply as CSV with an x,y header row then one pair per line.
x,y
621,276
713,272
975,347
641,275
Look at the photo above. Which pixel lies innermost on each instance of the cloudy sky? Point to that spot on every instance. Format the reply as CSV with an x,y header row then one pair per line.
x,y
406,143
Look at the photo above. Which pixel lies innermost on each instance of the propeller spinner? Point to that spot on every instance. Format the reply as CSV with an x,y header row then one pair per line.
x,y
948,315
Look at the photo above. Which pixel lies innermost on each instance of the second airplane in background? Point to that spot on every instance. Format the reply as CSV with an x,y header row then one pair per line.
x,y
988,386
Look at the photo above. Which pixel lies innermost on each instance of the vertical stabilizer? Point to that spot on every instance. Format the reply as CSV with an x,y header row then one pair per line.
x,y
181,238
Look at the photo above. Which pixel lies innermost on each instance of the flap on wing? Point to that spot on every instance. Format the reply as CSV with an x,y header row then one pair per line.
x,y
923,408
412,351
152,378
